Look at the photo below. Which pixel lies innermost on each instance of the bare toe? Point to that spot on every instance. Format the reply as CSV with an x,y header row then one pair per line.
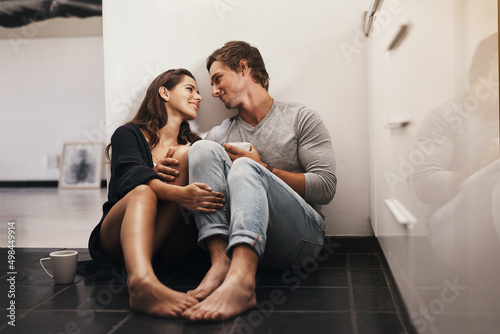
x,y
212,280
232,298
150,296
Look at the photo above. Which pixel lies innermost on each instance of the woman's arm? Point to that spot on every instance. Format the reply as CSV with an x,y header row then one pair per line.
x,y
195,197
131,162
131,166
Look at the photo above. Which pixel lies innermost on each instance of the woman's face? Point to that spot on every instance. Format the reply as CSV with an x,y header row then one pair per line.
x,y
184,99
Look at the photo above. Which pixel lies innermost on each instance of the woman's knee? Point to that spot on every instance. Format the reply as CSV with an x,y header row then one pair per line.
x,y
142,192
181,154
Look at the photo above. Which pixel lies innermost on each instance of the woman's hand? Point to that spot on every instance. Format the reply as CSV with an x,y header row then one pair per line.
x,y
163,167
200,197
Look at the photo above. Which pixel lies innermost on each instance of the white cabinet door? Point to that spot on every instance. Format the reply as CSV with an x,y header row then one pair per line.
x,y
434,127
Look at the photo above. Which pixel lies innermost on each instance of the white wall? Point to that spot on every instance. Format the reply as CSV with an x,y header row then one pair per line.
x,y
304,47
52,91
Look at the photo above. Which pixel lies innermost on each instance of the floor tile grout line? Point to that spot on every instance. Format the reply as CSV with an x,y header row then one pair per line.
x,y
277,311
352,306
280,286
62,310
27,311
52,296
119,324
312,311
303,287
393,298
343,311
375,312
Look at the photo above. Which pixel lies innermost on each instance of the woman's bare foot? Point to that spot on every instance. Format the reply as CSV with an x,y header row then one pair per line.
x,y
212,280
233,297
148,295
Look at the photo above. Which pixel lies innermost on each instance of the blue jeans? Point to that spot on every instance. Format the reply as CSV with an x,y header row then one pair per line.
x,y
261,210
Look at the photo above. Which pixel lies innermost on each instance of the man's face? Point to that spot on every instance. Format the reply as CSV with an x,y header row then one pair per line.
x,y
226,84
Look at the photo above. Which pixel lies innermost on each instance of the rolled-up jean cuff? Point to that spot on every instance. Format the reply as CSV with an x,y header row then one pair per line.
x,y
251,239
211,230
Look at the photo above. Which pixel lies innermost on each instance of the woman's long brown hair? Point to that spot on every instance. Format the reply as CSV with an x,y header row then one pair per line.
x,y
152,114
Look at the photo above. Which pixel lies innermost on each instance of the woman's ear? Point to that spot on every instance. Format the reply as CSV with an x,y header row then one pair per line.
x,y
163,93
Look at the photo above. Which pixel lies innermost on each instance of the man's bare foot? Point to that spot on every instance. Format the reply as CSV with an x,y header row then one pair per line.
x,y
233,297
212,280
148,295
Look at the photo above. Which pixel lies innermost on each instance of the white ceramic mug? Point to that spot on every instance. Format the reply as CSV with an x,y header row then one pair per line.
x,y
63,264
241,144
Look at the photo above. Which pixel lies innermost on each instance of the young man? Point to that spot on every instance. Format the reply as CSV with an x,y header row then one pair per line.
x,y
273,192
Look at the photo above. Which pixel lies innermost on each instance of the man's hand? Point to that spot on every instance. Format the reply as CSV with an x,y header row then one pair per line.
x,y
295,180
164,167
235,152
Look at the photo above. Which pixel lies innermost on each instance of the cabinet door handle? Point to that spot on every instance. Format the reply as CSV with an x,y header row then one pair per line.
x,y
400,213
398,124
375,5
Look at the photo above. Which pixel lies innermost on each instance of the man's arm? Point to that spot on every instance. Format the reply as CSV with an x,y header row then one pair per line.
x,y
296,181
316,156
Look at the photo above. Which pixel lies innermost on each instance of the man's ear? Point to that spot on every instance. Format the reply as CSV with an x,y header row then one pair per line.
x,y
163,93
244,67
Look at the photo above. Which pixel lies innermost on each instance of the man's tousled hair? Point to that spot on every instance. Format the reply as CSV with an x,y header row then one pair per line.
x,y
231,54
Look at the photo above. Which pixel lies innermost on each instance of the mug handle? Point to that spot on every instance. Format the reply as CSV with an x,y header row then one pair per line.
x,y
46,258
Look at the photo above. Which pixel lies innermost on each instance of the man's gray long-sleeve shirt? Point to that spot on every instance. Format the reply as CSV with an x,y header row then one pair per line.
x,y
291,137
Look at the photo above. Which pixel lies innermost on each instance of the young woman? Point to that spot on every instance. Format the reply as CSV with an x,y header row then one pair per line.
x,y
141,219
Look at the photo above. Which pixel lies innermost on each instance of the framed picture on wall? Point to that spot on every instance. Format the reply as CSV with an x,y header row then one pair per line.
x,y
81,165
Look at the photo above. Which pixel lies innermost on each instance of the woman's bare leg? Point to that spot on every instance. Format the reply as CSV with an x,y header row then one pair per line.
x,y
128,233
182,239
164,214
181,242
133,231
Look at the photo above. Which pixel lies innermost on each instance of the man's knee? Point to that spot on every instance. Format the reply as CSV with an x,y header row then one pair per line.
x,y
243,169
245,166
203,150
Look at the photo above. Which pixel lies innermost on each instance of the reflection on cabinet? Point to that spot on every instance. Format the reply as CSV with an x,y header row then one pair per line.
x,y
435,168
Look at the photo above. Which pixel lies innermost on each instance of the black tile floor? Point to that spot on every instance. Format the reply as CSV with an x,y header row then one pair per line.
x,y
349,289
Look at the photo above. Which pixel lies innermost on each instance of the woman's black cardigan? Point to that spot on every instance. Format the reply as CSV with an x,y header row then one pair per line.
x,y
131,166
